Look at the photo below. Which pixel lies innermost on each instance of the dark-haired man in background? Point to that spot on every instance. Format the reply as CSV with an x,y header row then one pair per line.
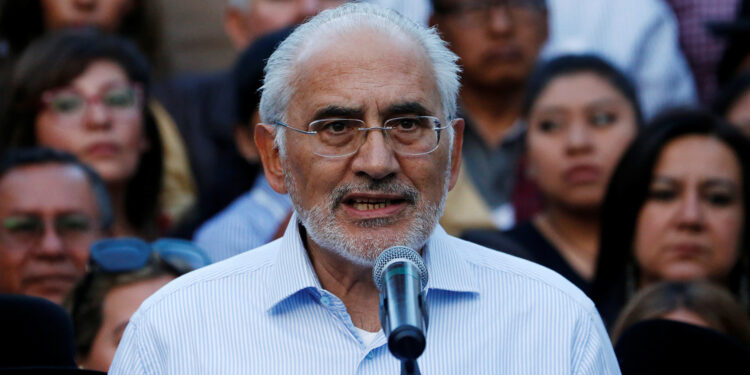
x,y
498,43
52,208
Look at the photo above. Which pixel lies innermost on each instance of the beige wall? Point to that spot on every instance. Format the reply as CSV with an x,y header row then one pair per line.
x,y
193,37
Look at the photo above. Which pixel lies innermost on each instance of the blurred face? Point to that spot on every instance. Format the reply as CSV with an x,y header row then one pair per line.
x,y
498,41
264,16
98,117
118,306
739,114
690,225
358,205
578,128
105,14
45,233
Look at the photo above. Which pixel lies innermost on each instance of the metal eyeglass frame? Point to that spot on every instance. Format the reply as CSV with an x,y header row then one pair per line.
x,y
385,130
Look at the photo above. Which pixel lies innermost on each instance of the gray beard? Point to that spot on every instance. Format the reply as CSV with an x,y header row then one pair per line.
x,y
323,228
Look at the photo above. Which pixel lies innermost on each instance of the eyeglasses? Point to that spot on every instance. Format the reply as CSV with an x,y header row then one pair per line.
x,y
25,231
475,13
122,101
129,254
413,135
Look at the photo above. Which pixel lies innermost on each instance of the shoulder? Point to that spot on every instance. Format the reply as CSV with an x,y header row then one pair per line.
x,y
527,277
215,283
498,240
231,218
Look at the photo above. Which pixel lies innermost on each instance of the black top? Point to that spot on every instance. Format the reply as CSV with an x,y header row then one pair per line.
x,y
536,248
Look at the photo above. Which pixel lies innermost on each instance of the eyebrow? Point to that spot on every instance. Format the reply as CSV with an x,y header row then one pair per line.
x,y
708,183
338,111
596,104
411,108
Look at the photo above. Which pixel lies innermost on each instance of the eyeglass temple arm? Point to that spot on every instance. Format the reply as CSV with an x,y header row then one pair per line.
x,y
293,128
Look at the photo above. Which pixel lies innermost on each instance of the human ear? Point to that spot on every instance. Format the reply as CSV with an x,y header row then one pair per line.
x,y
458,141
270,156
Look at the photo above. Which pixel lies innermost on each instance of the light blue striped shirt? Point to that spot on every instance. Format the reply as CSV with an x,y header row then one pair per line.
x,y
264,312
250,221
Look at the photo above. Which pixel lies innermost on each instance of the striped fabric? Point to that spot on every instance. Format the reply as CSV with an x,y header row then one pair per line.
x,y
249,222
639,36
264,312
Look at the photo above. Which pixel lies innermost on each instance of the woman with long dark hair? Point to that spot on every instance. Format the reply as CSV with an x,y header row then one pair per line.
x,y
85,93
581,113
676,210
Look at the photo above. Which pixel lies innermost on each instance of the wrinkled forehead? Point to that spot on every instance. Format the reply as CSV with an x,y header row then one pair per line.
x,y
27,188
381,64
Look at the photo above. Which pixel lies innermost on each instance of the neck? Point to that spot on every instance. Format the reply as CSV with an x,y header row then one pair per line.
x,y
575,235
493,111
351,283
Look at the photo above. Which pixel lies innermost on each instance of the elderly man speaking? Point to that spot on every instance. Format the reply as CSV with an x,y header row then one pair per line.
x,y
358,108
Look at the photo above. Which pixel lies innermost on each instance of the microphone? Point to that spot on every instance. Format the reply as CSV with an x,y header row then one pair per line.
x,y
401,276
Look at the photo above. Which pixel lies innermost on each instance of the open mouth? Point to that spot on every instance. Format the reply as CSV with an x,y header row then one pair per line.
x,y
370,204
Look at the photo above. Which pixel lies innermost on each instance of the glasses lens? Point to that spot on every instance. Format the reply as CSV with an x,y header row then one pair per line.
x,y
413,135
22,230
66,103
123,97
120,254
181,253
75,229
336,137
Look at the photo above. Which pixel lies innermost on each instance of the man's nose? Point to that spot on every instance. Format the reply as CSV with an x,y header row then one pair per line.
x,y
51,245
375,157
499,19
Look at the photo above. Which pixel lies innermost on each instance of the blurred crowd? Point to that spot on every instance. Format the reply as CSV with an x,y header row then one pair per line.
x,y
605,139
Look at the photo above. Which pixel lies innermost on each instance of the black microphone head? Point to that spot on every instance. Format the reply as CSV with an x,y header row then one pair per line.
x,y
400,253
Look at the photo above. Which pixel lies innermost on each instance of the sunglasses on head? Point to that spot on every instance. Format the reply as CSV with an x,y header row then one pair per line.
x,y
128,254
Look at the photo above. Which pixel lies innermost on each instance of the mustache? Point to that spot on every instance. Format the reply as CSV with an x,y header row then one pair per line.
x,y
384,186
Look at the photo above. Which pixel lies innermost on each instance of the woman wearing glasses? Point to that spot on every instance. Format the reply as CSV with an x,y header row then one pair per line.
x,y
85,93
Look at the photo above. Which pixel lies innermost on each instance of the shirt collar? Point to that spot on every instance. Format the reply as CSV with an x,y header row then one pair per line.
x,y
292,271
514,134
447,266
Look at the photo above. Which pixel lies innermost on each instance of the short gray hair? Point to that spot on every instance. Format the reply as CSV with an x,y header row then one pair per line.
x,y
277,85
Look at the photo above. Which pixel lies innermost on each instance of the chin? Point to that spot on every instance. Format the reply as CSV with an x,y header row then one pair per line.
x,y
685,272
112,173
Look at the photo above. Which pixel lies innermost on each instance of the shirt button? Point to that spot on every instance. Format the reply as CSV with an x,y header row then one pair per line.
x,y
369,355
324,299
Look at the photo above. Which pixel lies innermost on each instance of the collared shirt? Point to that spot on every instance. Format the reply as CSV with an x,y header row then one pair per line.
x,y
640,37
250,221
702,49
492,169
265,312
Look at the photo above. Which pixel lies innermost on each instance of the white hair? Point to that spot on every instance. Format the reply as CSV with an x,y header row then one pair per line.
x,y
277,85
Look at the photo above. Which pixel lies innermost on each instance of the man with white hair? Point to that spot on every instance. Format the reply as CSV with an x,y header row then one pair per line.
x,y
359,107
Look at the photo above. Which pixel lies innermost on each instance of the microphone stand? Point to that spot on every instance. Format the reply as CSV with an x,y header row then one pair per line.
x,y
410,367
